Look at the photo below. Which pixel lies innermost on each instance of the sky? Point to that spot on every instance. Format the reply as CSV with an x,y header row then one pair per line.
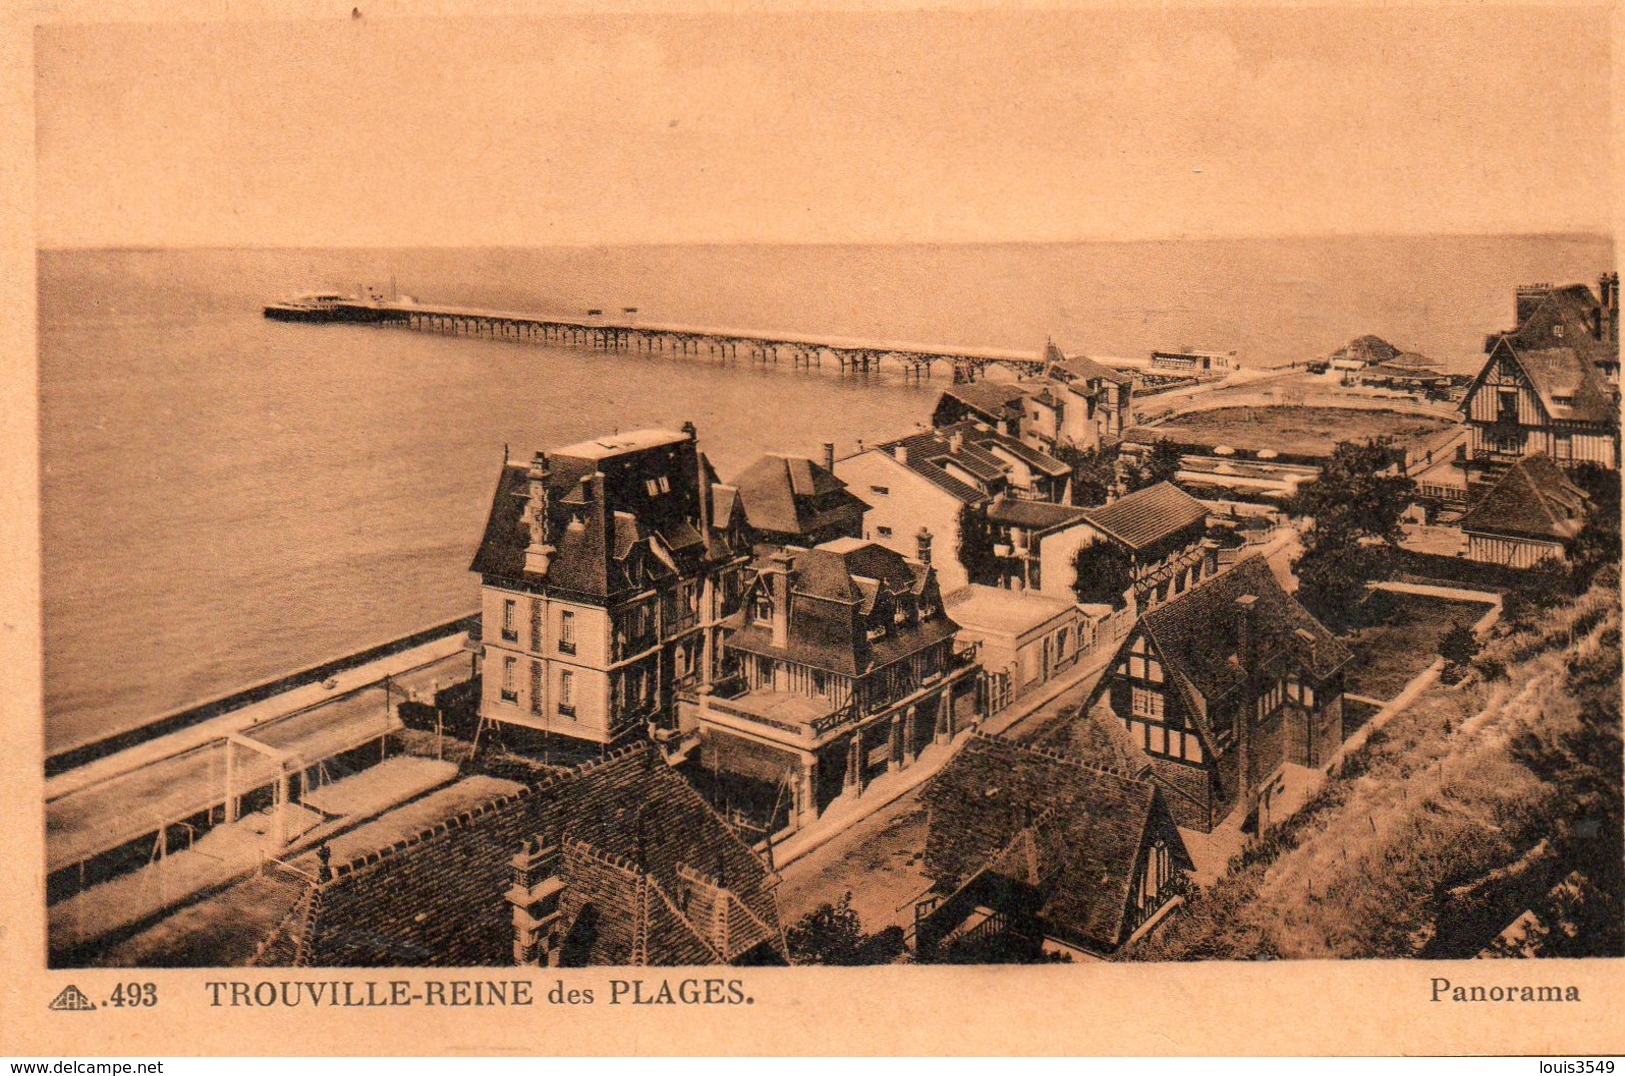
x,y
828,127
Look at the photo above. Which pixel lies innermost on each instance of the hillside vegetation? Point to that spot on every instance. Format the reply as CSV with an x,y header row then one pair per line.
x,y
1473,806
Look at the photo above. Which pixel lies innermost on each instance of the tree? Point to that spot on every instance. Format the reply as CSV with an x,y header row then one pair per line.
x,y
1160,464
833,934
976,546
1333,572
1598,542
1359,493
1103,573
1094,472
1458,645
1542,585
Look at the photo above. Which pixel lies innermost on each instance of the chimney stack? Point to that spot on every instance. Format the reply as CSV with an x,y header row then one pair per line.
x,y
780,567
690,432
829,456
535,896
901,451
922,543
539,553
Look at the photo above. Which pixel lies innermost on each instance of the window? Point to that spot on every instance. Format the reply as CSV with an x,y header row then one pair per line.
x,y
884,532
1509,403
1563,446
567,693
536,687
657,485
510,691
1270,701
881,491
1146,702
510,620
567,632
877,631
763,607
535,624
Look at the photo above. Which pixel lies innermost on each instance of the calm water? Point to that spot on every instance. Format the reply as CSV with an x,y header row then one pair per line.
x,y
226,499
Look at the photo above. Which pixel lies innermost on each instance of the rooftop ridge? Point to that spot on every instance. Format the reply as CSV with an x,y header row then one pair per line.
x,y
469,815
1055,754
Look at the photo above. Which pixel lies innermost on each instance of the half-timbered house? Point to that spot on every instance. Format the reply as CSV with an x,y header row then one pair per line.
x,y
1222,686
1549,385
1034,854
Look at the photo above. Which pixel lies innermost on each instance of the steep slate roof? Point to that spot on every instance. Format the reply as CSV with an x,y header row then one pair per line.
x,y
1533,499
436,898
1564,372
1146,517
834,591
791,494
1069,833
1195,632
602,547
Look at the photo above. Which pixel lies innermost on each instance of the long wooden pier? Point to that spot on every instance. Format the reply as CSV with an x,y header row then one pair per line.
x,y
627,334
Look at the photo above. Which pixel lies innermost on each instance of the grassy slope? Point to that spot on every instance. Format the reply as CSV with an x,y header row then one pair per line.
x,y
1438,832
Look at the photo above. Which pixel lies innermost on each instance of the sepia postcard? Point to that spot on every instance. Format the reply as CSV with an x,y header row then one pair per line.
x,y
832,529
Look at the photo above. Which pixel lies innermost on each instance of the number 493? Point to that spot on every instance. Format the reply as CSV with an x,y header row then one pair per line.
x,y
132,995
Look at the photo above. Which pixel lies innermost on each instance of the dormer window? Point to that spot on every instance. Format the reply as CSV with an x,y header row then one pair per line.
x,y
900,616
657,485
1557,331
763,608
877,631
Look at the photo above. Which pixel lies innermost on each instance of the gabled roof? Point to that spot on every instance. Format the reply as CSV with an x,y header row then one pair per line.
x,y
1561,316
1145,517
1070,834
791,495
1196,632
1533,499
1569,386
436,898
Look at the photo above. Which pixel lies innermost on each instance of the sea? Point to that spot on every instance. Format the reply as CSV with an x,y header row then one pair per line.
x,y
227,499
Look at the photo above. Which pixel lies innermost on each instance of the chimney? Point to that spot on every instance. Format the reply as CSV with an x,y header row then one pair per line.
x,y
587,488
901,451
956,441
539,553
1608,307
1210,558
780,568
534,896
922,545
829,456
689,431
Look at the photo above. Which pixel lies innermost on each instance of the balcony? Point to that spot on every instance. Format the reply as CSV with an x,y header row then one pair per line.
x,y
805,717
